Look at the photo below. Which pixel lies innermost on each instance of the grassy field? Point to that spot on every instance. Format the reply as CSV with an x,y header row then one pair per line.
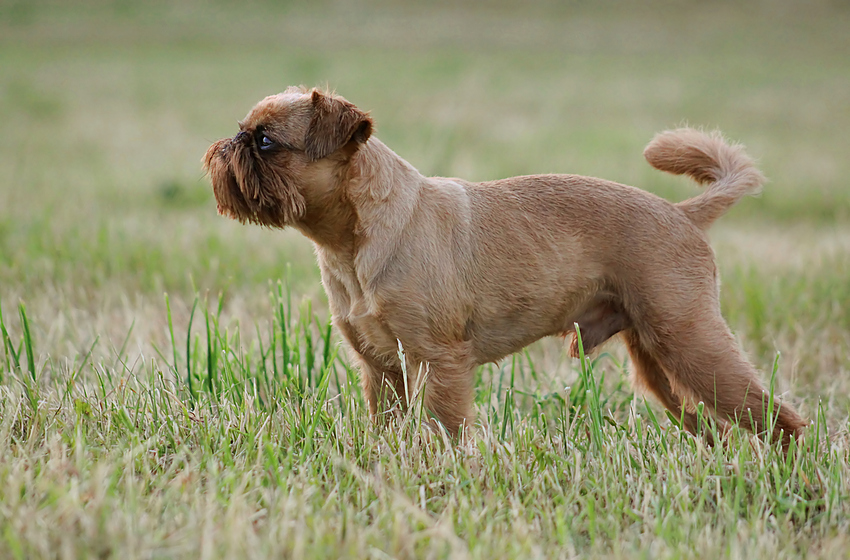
x,y
169,386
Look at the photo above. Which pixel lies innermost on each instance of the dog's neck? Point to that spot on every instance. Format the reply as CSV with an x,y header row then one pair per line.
x,y
379,172
329,218
372,194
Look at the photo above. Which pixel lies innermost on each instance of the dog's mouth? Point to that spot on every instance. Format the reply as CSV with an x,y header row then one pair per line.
x,y
249,189
229,198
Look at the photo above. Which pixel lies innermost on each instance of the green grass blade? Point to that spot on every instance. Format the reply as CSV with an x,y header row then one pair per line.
x,y
28,341
192,394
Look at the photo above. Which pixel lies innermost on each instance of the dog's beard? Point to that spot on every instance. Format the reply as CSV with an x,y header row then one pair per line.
x,y
250,189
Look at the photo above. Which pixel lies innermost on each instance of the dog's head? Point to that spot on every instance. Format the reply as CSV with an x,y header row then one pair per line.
x,y
288,144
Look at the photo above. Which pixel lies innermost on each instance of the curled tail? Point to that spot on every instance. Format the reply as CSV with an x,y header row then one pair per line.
x,y
725,169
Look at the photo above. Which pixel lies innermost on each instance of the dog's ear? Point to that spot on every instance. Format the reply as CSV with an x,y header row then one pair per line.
x,y
335,123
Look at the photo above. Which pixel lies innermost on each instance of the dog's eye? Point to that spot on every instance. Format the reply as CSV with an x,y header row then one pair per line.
x,y
266,142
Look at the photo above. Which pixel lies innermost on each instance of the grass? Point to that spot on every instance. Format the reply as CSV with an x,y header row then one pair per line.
x,y
267,450
171,387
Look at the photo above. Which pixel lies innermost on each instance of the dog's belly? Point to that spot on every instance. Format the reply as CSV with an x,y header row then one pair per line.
x,y
528,292
500,330
491,345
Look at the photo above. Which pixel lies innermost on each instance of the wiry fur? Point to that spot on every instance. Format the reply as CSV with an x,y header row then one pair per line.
x,y
466,273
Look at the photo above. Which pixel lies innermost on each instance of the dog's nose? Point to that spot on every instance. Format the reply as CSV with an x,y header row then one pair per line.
x,y
240,137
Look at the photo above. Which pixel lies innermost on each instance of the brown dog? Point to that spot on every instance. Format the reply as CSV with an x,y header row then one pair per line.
x,y
466,273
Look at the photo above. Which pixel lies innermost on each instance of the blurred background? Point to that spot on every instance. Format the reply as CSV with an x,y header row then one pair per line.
x,y
106,108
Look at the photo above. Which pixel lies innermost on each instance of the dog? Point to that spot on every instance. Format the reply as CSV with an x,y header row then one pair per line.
x,y
462,274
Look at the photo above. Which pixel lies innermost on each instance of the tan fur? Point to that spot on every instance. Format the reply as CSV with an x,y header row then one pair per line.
x,y
466,273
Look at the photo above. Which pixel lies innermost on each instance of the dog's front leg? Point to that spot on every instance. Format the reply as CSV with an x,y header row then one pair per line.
x,y
447,393
383,386
382,380
449,388
451,404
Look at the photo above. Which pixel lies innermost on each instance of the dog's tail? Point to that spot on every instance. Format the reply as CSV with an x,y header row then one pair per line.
x,y
725,169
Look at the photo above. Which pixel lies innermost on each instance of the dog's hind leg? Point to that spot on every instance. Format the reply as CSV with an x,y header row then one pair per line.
x,y
648,375
703,362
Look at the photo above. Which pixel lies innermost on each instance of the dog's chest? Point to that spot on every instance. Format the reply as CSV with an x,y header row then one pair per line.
x,y
373,334
355,308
